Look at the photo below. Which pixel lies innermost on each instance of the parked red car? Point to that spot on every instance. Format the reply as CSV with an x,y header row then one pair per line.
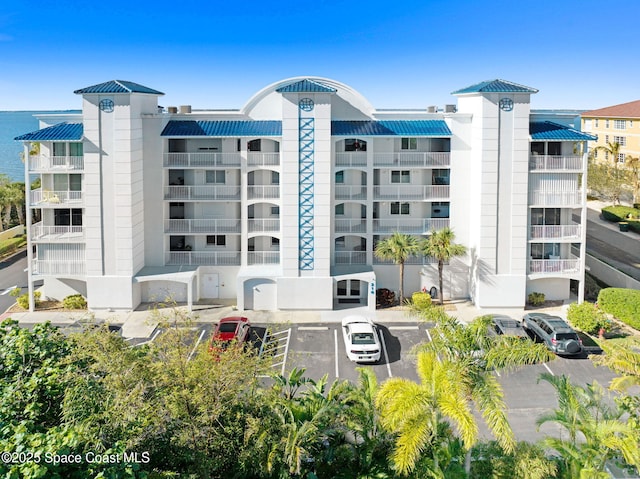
x,y
228,330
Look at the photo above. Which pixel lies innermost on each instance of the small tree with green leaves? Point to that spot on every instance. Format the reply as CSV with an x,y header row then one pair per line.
x,y
440,245
398,248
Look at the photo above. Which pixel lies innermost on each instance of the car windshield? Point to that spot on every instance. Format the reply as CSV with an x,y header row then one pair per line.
x,y
566,336
362,338
228,327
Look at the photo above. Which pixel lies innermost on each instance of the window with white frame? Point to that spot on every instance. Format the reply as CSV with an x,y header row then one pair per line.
x,y
340,209
339,177
398,208
215,177
606,123
409,144
619,124
596,122
275,242
216,240
606,138
620,140
275,178
400,176
587,124
275,211
620,157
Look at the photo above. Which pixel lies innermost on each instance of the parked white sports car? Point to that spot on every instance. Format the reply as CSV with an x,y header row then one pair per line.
x,y
361,339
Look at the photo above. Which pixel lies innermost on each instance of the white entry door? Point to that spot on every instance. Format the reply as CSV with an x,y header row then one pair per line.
x,y
209,286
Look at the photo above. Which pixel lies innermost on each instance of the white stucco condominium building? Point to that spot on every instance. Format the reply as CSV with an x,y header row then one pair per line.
x,y
280,204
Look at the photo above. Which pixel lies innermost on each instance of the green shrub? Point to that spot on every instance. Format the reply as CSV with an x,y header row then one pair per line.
x,y
623,304
535,299
587,317
619,213
12,244
75,301
421,300
23,300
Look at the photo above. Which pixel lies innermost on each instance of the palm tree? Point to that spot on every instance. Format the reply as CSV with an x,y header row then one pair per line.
x,y
633,164
440,245
397,248
612,150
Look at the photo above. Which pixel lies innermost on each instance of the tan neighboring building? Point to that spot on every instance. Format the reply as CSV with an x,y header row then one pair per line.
x,y
614,124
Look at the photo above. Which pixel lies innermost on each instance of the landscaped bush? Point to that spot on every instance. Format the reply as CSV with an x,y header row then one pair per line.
x,y
620,213
23,300
535,299
12,244
385,297
623,304
587,317
75,301
421,300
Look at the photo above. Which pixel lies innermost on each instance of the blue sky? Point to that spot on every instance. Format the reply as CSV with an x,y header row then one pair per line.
x,y
403,54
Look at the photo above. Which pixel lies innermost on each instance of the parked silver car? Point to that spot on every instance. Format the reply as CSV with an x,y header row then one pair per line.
x,y
555,332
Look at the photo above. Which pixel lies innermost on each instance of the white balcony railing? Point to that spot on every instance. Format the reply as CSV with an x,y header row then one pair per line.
x,y
555,198
47,197
40,232
414,259
263,159
350,257
419,226
353,192
217,258
263,192
263,257
555,163
202,192
202,226
413,159
58,267
551,266
207,159
351,226
262,225
410,192
351,158
56,163
571,231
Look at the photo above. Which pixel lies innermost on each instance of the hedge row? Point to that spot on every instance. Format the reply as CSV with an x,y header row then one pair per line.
x,y
621,213
624,304
12,244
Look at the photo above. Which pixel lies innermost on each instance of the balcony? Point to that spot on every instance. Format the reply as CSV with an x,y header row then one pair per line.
x,y
418,226
42,197
202,192
419,260
546,163
263,225
355,192
556,198
263,159
413,159
350,226
351,158
58,268
56,234
554,266
350,257
555,232
202,226
199,160
411,192
44,163
263,257
259,192
210,258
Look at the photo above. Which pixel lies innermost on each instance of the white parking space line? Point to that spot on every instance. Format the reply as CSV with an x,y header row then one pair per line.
x,y
149,341
313,328
196,346
414,328
8,290
335,340
428,335
550,371
386,354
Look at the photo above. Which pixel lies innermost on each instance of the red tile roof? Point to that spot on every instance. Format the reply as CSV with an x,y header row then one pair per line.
x,y
624,110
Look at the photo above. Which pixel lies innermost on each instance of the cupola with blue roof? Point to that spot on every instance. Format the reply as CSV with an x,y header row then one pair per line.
x,y
117,86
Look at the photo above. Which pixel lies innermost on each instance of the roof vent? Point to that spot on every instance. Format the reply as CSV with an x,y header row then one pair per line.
x,y
432,109
185,108
172,109
450,109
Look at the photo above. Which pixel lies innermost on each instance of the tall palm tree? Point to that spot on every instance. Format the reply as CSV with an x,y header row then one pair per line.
x,y
397,248
633,164
612,150
440,245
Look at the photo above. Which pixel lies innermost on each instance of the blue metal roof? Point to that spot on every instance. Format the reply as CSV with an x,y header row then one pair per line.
x,y
60,132
306,86
495,86
118,86
390,128
548,130
223,128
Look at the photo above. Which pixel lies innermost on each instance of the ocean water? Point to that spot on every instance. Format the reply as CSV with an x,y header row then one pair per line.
x,y
12,124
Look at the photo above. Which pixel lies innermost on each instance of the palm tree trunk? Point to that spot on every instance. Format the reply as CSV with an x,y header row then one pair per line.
x,y
440,269
401,283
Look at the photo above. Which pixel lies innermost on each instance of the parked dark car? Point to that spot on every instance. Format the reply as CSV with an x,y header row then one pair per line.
x,y
555,332
505,325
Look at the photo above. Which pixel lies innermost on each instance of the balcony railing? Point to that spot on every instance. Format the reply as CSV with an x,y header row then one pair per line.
x,y
262,225
409,226
263,192
351,158
571,231
40,232
46,197
555,163
263,257
263,159
350,257
202,226
413,159
58,268
549,266
414,259
215,258
354,192
351,226
201,192
555,198
56,163
208,159
410,192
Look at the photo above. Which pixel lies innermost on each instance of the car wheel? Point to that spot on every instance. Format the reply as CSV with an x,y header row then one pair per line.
x,y
573,347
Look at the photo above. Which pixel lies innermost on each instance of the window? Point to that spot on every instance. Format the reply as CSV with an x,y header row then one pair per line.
x,y
595,153
67,217
59,149
254,145
440,177
409,144
606,155
215,177
606,123
340,242
619,124
275,178
620,157
596,122
216,240
339,177
275,211
587,125
554,148
275,242
75,149
340,209
403,176
545,216
537,148
353,144
398,208
606,138
620,140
